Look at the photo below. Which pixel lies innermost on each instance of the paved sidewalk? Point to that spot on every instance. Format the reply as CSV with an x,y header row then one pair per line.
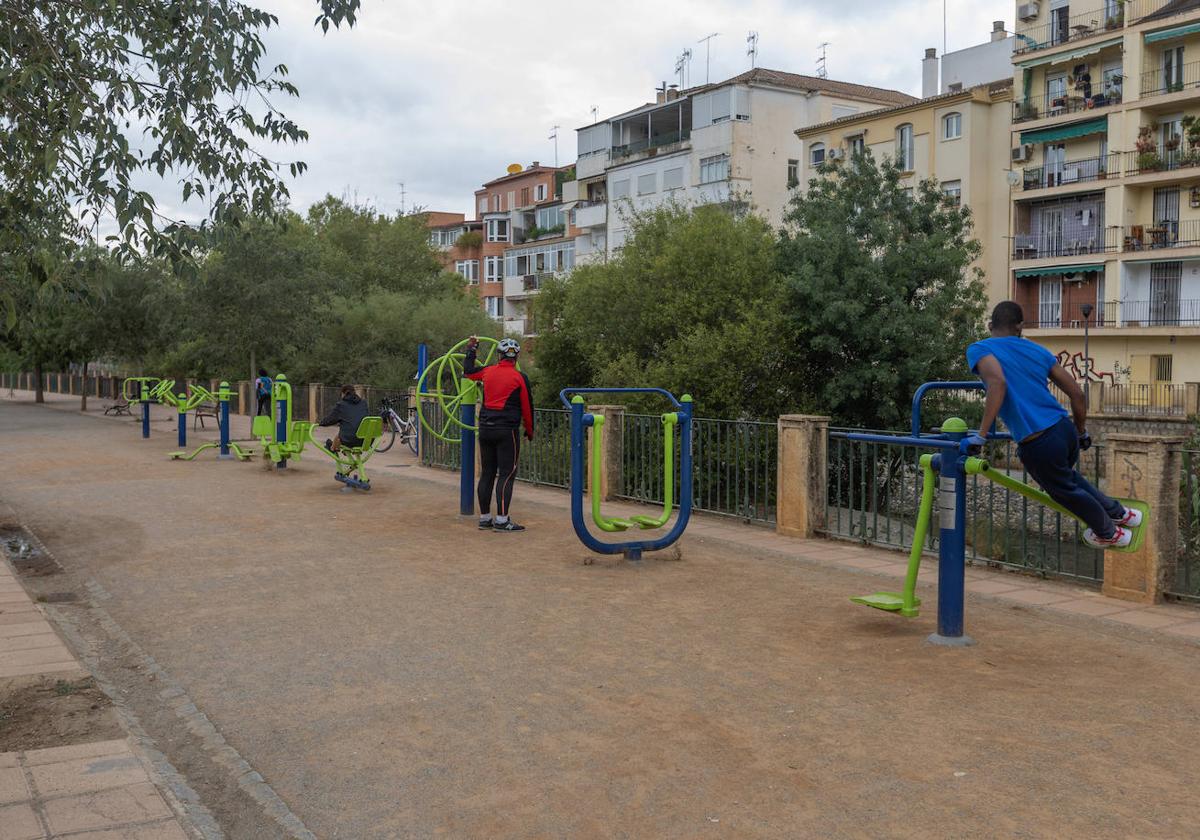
x,y
91,790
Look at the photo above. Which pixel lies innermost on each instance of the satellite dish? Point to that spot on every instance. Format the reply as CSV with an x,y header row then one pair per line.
x,y
514,168
1014,178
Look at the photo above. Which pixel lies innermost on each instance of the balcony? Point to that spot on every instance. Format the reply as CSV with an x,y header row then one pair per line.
x,y
1159,82
519,286
1079,171
1059,316
1068,28
1162,235
1161,312
1032,246
589,214
1043,107
650,145
1162,159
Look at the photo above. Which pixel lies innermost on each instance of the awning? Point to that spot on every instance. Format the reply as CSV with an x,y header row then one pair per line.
x,y
1176,32
1066,132
1090,49
1059,269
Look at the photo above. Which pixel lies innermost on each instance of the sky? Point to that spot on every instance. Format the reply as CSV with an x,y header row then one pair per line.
x,y
442,96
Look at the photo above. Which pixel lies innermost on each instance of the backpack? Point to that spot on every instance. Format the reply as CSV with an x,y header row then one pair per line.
x,y
264,385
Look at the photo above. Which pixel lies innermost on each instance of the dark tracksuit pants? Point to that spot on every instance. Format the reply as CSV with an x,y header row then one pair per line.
x,y
1051,460
499,450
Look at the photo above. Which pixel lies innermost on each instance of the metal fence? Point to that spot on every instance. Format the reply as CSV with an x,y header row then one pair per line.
x,y
1187,568
733,470
544,460
875,489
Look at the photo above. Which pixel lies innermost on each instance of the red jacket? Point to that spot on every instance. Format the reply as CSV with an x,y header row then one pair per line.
x,y
507,397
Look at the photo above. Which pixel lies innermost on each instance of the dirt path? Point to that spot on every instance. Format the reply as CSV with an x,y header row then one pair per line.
x,y
393,672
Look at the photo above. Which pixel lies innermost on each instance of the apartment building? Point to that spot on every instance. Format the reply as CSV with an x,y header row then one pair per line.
x,y
458,242
958,138
1105,202
723,142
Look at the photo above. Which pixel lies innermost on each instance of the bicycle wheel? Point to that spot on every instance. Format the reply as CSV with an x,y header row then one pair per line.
x,y
409,436
389,432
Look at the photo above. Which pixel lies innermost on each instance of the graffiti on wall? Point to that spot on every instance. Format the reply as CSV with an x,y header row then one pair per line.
x,y
1080,366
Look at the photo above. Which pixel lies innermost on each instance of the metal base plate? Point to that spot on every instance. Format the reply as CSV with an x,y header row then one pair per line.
x,y
949,641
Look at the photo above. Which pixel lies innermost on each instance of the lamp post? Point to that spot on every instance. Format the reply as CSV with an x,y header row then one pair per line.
x,y
1086,309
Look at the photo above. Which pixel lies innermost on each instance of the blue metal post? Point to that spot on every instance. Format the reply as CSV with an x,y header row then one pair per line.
x,y
145,410
952,548
182,415
422,363
223,395
281,429
466,479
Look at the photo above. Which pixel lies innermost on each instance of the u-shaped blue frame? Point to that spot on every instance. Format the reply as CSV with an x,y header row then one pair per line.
x,y
579,419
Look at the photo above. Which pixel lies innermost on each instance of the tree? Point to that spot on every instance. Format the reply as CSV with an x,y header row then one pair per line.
x,y
97,92
882,292
691,303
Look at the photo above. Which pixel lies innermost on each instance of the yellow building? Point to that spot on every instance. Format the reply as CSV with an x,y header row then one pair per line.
x,y
959,138
1105,210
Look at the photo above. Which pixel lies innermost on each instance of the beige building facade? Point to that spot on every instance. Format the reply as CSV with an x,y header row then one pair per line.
x,y
1105,210
957,138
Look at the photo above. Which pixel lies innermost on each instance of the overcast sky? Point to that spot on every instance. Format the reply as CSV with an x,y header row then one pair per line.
x,y
443,95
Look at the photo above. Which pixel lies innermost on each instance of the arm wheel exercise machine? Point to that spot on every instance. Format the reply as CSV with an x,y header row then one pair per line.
x,y
446,380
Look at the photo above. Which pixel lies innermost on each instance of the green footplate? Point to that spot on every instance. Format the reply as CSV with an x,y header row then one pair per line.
x,y
1139,532
890,601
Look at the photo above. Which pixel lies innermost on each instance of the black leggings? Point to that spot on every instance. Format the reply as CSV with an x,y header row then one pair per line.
x,y
498,453
264,404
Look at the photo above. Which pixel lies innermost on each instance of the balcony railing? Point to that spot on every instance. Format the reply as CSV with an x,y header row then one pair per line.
x,y
1071,28
1030,246
1072,172
654,142
1160,312
1057,315
1162,235
1071,102
1162,159
1156,398
1158,82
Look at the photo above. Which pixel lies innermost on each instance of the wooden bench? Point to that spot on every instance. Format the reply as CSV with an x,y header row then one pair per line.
x,y
205,410
119,408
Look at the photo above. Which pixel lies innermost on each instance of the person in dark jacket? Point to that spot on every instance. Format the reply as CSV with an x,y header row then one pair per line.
x,y
346,415
507,403
262,390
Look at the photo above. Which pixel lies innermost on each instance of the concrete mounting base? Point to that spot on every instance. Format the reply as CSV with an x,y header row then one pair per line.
x,y
228,457
949,641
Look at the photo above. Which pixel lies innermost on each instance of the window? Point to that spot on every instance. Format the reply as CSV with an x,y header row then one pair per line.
x,y
1160,368
647,184
720,104
524,196
953,191
483,204
493,269
1060,24
715,168
496,202
539,192
952,126
494,306
1172,68
620,189
1165,282
840,111
468,269
497,230
547,218
1050,301
741,97
1114,76
793,173
1056,93
905,154
673,179
856,145
816,154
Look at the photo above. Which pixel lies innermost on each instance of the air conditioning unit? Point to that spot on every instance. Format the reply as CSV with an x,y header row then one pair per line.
x,y
1022,153
837,154
1027,11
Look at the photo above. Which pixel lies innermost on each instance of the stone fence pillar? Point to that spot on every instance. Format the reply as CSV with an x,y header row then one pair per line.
x,y
611,451
1191,404
314,392
801,491
1095,398
1145,468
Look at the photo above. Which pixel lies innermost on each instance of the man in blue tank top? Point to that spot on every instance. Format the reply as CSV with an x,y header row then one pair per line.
x,y
1014,371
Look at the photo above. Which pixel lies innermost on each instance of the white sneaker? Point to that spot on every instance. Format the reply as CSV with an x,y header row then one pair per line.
x,y
1121,538
1131,519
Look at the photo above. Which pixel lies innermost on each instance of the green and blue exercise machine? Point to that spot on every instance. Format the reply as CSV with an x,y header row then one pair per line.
x,y
144,390
947,469
283,439
195,396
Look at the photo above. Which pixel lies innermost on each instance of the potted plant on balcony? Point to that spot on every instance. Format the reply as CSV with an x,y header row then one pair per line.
x,y
470,239
1148,158
1116,21
1191,133
1171,144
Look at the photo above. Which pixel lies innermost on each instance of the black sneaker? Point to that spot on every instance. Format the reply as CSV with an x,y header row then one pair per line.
x,y
508,526
485,524
329,443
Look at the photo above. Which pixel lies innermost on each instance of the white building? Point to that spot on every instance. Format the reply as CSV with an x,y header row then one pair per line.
x,y
970,67
732,140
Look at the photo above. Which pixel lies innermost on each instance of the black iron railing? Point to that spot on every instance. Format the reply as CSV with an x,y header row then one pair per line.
x,y
1072,172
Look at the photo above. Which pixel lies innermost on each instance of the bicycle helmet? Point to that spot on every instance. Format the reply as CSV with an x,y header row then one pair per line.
x,y
509,348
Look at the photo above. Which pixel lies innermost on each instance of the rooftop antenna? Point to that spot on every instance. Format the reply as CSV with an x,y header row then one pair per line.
x,y
822,73
554,136
401,198
680,64
595,114
752,48
707,41
686,58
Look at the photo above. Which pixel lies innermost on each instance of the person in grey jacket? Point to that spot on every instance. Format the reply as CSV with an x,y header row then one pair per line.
x,y
346,415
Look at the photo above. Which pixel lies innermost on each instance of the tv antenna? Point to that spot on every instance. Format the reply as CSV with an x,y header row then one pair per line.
x,y
752,48
682,65
595,114
707,41
822,73
554,136
401,198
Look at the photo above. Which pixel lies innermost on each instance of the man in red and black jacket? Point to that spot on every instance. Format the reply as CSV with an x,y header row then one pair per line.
x,y
507,402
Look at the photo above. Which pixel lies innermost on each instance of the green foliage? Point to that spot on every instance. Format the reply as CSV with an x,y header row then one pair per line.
x,y
691,304
470,239
98,93
882,295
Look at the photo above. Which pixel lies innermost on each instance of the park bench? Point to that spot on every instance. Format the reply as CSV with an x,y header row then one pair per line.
x,y
203,410
119,408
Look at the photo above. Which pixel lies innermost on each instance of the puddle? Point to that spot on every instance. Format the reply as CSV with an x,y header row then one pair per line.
x,y
27,558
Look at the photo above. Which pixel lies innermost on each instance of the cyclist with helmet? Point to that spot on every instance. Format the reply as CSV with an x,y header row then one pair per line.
x,y
507,403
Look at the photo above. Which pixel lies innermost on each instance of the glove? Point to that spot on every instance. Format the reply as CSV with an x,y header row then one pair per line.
x,y
975,444
1085,442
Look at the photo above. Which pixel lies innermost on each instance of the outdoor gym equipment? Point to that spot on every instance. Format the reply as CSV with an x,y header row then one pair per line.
x,y
144,390
227,449
275,433
681,418
351,460
953,464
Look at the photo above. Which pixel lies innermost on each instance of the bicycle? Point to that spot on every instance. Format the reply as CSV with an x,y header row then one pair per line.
x,y
394,424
